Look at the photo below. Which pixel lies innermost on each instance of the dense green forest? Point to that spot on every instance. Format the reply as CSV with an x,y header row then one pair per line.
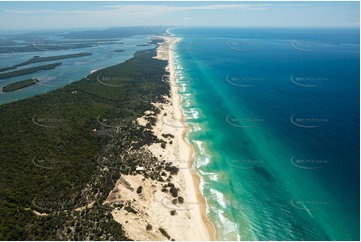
x,y
65,149
29,70
37,59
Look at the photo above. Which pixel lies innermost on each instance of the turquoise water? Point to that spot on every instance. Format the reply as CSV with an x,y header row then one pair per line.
x,y
74,69
274,117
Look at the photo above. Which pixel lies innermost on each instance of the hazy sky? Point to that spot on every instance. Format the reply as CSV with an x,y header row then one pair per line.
x,y
51,15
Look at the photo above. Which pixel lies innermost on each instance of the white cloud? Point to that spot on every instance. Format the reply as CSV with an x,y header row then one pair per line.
x,y
135,8
147,10
136,13
173,8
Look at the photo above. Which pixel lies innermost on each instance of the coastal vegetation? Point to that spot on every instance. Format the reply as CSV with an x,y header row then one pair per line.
x,y
35,41
29,70
19,85
37,59
117,32
32,45
63,151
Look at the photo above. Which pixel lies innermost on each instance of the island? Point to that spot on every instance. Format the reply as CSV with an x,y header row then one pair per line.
x,y
30,70
7,68
37,59
19,85
45,45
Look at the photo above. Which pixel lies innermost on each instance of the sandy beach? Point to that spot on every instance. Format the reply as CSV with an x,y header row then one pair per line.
x,y
159,216
202,225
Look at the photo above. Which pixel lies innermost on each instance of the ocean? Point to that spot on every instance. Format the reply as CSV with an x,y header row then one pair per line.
x,y
274,120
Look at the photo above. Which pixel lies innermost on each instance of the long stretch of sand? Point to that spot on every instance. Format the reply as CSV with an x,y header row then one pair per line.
x,y
203,229
154,207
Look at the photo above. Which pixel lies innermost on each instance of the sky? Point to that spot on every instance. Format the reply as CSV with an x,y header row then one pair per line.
x,y
90,15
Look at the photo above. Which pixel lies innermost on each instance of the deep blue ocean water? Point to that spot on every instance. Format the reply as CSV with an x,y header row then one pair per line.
x,y
274,117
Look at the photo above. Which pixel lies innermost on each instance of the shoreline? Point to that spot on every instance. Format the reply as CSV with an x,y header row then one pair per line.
x,y
177,105
171,207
